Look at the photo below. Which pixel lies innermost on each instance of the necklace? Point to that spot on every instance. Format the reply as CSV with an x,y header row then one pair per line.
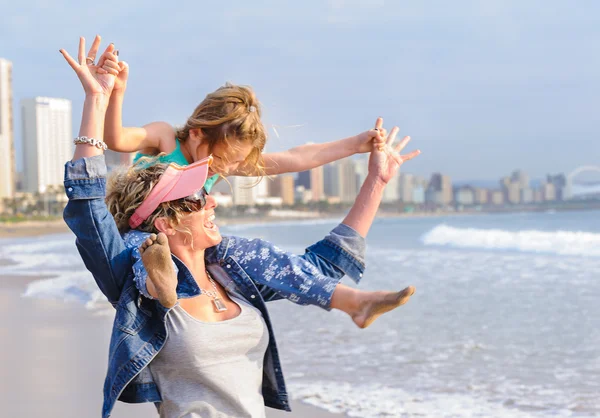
x,y
214,294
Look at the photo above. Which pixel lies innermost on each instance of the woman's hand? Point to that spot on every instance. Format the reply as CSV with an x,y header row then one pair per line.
x,y
366,140
386,159
96,79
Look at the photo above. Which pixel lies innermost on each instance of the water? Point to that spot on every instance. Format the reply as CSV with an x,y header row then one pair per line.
x,y
505,321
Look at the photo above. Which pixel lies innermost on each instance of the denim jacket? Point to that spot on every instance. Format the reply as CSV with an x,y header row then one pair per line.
x,y
251,268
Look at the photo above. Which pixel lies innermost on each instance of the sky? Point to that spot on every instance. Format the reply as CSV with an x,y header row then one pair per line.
x,y
482,87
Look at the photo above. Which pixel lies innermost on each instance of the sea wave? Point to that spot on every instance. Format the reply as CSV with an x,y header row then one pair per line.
x,y
550,242
379,400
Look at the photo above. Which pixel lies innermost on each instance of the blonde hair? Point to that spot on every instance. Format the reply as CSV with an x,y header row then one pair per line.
x,y
230,112
128,187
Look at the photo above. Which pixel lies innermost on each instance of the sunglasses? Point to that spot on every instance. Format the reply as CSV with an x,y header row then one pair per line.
x,y
194,202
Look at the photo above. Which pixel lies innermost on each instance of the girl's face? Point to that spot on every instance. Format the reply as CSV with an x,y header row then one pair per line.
x,y
227,158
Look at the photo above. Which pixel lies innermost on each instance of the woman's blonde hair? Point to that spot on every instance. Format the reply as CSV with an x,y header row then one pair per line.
x,y
128,187
229,113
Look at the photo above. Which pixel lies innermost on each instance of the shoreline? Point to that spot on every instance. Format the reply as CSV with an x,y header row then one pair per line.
x,y
39,228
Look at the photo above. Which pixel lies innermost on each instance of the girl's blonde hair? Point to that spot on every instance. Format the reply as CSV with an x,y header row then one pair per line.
x,y
229,113
128,187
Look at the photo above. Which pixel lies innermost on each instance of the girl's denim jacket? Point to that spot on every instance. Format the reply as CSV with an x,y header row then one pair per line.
x,y
251,268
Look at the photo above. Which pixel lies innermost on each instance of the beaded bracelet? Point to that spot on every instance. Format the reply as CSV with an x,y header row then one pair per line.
x,y
90,141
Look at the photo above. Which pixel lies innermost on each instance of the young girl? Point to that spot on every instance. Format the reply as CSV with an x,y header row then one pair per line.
x,y
227,125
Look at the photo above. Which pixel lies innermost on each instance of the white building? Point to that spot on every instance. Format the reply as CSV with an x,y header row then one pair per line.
x,y
47,142
391,192
347,180
7,147
406,187
248,191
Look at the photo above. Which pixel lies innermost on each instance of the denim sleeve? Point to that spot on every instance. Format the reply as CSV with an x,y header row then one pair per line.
x,y
340,253
279,274
97,237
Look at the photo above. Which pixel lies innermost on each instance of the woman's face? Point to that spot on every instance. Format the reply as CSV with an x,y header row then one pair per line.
x,y
205,232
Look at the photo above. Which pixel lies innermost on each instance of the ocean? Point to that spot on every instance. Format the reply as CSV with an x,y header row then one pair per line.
x,y
505,321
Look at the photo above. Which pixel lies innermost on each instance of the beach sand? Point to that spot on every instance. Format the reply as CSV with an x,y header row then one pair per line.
x,y
54,358
32,228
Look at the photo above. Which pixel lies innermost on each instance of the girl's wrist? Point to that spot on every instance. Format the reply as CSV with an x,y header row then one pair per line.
x,y
355,144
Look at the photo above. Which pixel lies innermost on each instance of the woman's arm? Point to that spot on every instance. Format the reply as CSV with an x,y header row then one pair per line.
x,y
306,157
86,214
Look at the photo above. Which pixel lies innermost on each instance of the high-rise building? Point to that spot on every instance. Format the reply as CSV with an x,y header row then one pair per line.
x,y
347,180
331,176
513,193
497,197
549,192
390,193
559,182
527,195
521,178
418,195
303,179
47,141
317,184
406,187
465,196
481,196
362,170
283,186
7,142
511,186
243,190
439,190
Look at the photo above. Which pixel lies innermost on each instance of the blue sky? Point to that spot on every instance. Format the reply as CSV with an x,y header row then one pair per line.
x,y
482,87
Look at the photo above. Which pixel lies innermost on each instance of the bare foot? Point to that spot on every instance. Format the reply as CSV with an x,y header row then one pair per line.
x,y
156,256
373,304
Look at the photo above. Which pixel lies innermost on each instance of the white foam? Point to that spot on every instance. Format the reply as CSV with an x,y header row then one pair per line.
x,y
55,256
552,242
377,400
67,287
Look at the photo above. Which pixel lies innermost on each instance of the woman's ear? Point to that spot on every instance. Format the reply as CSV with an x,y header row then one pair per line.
x,y
163,225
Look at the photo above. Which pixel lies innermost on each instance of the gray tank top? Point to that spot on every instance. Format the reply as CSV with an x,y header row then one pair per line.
x,y
212,369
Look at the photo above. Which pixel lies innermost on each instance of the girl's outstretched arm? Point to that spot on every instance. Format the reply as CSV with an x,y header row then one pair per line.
x,y
308,156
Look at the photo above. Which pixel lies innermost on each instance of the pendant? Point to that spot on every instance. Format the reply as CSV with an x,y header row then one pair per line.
x,y
219,305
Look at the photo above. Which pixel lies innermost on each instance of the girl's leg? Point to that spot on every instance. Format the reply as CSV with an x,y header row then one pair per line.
x,y
365,307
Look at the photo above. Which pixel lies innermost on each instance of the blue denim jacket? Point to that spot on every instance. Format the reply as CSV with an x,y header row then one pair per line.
x,y
251,268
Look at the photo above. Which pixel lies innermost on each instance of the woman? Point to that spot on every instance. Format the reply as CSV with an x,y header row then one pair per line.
x,y
214,353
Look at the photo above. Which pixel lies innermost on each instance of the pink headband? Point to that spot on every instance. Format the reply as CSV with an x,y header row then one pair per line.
x,y
175,183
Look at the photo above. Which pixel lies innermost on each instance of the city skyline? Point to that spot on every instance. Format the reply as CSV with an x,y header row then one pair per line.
x,y
478,86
